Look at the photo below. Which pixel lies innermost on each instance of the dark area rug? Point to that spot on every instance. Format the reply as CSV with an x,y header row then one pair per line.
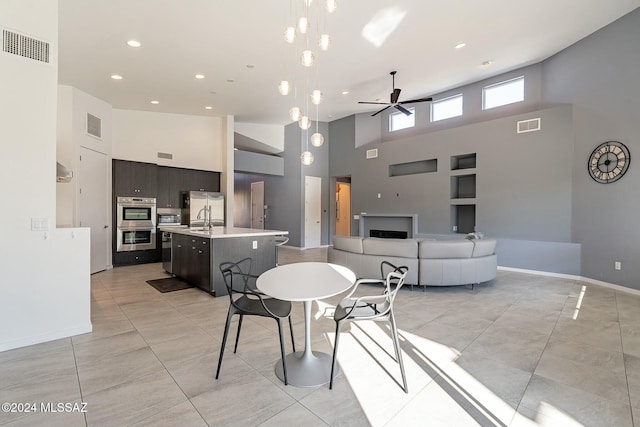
x,y
170,284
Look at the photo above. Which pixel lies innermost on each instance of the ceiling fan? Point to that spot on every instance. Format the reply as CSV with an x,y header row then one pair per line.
x,y
394,99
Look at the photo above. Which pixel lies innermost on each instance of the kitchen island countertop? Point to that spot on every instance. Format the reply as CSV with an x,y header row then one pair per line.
x,y
223,232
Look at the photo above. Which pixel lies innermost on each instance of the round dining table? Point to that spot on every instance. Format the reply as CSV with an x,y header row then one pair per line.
x,y
306,282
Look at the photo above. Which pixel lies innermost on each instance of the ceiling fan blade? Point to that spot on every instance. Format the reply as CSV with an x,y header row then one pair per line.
x,y
395,95
376,103
404,110
411,101
378,112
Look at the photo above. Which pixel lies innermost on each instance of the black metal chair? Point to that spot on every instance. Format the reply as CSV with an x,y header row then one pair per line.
x,y
373,307
245,299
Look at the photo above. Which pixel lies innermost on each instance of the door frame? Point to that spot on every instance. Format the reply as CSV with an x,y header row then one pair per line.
x,y
315,197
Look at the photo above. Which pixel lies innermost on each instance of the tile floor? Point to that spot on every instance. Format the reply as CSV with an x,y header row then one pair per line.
x,y
521,350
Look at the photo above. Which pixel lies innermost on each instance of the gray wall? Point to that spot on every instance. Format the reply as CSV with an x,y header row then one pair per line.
x,y
599,76
533,190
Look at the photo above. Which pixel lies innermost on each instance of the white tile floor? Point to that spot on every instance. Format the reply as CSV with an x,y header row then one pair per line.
x,y
521,350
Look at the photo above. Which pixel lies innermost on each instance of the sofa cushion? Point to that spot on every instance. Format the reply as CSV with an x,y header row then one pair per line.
x,y
483,247
404,248
446,249
348,243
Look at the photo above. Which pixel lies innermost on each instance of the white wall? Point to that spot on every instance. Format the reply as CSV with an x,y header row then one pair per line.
x,y
45,284
73,106
196,142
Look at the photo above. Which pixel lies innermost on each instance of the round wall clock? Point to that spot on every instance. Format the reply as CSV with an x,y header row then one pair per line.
x,y
608,162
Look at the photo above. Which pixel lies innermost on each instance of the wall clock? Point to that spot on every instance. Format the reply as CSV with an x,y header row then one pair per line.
x,y
609,162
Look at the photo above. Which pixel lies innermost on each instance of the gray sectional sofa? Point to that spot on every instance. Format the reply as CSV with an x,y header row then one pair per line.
x,y
430,262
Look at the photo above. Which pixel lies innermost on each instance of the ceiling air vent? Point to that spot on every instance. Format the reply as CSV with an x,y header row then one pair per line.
x,y
372,154
167,156
94,126
27,47
531,125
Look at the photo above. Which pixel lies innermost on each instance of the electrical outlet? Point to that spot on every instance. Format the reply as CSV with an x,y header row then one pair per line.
x,y
379,195
255,244
618,265
455,228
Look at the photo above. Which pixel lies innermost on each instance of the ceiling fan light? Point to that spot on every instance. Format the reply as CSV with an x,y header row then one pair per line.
x,y
290,35
283,87
303,25
294,113
324,42
306,158
316,97
304,123
317,139
307,58
331,6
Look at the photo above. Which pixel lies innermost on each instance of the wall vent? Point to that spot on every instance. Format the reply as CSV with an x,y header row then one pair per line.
x,y
372,154
530,125
27,47
94,126
167,156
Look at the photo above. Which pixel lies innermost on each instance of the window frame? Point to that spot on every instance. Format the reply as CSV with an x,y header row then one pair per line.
x,y
442,100
395,113
502,84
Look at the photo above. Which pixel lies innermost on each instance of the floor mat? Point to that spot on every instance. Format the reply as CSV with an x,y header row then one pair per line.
x,y
170,284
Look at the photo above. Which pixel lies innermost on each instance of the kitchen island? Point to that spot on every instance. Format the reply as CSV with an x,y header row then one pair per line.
x,y
197,253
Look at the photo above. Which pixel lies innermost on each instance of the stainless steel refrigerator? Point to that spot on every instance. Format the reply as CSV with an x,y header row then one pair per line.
x,y
201,209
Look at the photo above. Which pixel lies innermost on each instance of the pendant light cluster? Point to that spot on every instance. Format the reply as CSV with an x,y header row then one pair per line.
x,y
300,34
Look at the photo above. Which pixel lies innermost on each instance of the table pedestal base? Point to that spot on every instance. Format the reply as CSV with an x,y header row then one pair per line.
x,y
307,369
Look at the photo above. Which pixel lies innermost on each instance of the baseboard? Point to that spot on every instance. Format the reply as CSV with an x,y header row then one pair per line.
x,y
49,336
573,277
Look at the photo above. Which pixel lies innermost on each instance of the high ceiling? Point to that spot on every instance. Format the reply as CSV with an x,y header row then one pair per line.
x,y
242,41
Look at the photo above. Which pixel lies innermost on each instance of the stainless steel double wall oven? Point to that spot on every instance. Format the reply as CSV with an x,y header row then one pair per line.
x,y
136,223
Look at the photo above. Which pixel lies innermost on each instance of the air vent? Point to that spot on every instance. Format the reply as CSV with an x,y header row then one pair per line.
x,y
167,156
531,125
27,47
372,154
94,126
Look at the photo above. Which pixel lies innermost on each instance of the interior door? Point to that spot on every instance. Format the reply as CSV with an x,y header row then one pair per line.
x,y
93,206
343,209
312,211
257,205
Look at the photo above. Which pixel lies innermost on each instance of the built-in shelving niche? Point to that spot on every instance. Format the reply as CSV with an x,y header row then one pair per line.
x,y
463,193
414,168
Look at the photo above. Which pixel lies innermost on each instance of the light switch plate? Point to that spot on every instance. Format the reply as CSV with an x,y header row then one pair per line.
x,y
255,244
39,224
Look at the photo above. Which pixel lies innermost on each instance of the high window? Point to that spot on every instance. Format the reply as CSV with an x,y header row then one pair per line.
x,y
503,93
398,120
446,108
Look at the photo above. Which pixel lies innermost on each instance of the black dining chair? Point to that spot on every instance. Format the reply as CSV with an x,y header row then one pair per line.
x,y
245,299
373,307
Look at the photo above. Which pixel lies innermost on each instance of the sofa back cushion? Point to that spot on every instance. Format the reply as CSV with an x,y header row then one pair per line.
x,y
348,243
484,247
438,249
403,248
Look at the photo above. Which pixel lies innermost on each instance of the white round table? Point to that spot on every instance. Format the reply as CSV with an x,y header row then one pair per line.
x,y
306,281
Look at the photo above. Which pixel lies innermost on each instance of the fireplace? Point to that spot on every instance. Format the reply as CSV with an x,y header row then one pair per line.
x,y
388,234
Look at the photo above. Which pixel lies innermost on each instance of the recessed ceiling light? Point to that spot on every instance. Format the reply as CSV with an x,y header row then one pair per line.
x,y
155,102
345,92
486,63
230,80
134,43
460,45
208,107
116,76
199,76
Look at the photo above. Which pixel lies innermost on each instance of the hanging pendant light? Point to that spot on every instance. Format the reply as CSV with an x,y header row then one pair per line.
x,y
316,97
303,25
317,139
304,123
294,114
290,34
306,158
331,6
284,87
324,42
307,58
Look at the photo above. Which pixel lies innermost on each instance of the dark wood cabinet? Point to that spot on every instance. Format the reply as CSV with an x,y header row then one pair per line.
x,y
172,182
192,259
134,178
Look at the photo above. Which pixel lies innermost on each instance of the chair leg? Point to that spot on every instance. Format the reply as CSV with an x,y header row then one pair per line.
x,y
293,343
335,353
235,348
284,362
396,346
224,340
